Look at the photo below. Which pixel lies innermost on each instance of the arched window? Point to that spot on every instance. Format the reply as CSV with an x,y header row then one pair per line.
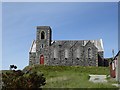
x,y
55,53
66,53
89,53
42,35
78,53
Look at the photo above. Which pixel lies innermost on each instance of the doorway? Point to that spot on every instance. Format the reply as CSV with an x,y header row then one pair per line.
x,y
41,59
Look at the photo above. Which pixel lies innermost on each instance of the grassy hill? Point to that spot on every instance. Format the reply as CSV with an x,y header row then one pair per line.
x,y
71,76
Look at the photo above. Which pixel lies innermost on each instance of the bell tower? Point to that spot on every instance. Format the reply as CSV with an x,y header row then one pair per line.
x,y
43,42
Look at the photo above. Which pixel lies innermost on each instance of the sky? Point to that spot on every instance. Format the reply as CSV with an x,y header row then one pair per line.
x,y
69,21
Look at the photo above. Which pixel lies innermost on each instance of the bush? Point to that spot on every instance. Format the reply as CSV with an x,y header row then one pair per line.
x,y
19,79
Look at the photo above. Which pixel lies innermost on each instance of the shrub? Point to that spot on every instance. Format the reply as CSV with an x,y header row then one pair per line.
x,y
19,79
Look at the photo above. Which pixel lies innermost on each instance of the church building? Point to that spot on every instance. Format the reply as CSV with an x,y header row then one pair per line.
x,y
46,51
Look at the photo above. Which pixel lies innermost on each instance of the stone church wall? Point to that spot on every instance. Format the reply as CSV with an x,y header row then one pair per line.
x,y
59,49
32,58
63,52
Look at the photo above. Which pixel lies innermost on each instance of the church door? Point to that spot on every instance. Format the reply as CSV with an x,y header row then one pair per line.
x,y
41,59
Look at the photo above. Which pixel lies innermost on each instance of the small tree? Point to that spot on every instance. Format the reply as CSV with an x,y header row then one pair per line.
x,y
13,66
19,79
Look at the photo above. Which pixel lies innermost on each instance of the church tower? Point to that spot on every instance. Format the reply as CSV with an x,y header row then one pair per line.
x,y
43,43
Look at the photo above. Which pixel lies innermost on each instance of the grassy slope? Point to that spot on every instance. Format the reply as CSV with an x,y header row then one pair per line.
x,y
71,76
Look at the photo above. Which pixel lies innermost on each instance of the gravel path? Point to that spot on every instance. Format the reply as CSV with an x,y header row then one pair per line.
x,y
98,78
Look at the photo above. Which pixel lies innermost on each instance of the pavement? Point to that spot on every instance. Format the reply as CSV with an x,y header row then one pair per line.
x,y
117,85
98,78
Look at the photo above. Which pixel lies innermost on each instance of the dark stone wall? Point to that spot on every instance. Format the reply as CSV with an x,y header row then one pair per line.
x,y
32,58
64,52
43,45
92,60
72,59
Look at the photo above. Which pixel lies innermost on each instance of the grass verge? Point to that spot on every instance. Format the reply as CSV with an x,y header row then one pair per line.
x,y
71,76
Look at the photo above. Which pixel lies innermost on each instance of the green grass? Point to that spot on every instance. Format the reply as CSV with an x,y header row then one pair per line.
x,y
71,76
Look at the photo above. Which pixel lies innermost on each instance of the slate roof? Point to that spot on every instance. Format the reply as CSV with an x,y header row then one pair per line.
x,y
97,43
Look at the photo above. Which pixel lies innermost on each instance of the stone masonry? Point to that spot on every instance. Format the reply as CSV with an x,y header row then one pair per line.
x,y
64,52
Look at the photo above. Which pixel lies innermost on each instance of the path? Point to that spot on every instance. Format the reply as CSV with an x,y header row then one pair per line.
x,y
98,78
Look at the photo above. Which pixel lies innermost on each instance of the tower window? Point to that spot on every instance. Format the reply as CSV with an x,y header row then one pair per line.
x,y
78,53
42,35
66,53
55,53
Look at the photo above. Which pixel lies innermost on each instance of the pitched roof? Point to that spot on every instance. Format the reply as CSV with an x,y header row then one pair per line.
x,y
33,47
97,43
